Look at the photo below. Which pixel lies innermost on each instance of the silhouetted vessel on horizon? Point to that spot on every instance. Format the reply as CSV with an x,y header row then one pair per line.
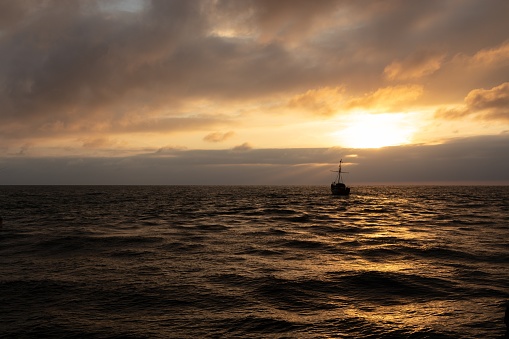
x,y
338,187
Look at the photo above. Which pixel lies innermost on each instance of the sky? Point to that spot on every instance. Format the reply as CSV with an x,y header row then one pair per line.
x,y
227,92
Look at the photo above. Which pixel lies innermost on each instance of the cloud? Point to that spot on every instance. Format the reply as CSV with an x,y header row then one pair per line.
x,y
496,98
99,69
168,150
387,98
329,101
284,20
218,136
73,60
484,59
100,142
96,142
12,12
242,148
416,66
482,67
323,101
491,104
129,123
492,56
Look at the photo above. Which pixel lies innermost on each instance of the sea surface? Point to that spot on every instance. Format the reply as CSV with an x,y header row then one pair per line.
x,y
253,262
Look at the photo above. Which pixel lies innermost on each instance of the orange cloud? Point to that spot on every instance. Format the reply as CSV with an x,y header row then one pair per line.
x,y
493,56
323,101
387,98
416,66
490,104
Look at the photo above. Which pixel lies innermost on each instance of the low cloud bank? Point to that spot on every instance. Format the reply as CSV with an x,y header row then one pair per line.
x,y
475,160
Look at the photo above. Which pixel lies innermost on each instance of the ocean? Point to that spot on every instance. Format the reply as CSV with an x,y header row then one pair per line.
x,y
253,262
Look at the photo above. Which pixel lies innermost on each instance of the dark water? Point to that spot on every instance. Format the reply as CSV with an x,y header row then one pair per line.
x,y
253,262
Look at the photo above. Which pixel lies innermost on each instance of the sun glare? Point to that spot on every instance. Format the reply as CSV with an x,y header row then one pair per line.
x,y
376,130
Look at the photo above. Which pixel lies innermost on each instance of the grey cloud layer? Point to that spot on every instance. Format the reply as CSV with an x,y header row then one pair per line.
x,y
481,160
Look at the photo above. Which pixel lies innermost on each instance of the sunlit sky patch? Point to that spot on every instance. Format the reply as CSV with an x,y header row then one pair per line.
x,y
376,130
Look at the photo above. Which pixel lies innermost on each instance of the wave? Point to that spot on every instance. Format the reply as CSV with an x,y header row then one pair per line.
x,y
253,262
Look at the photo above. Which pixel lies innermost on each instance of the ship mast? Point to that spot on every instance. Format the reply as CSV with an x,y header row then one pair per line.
x,y
339,178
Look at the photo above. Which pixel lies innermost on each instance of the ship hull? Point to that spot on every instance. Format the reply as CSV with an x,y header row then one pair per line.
x,y
340,190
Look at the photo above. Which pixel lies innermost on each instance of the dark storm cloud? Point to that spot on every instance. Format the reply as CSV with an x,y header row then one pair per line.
x,y
478,160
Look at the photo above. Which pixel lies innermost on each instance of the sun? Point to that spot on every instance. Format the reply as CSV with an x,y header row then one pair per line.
x,y
364,130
